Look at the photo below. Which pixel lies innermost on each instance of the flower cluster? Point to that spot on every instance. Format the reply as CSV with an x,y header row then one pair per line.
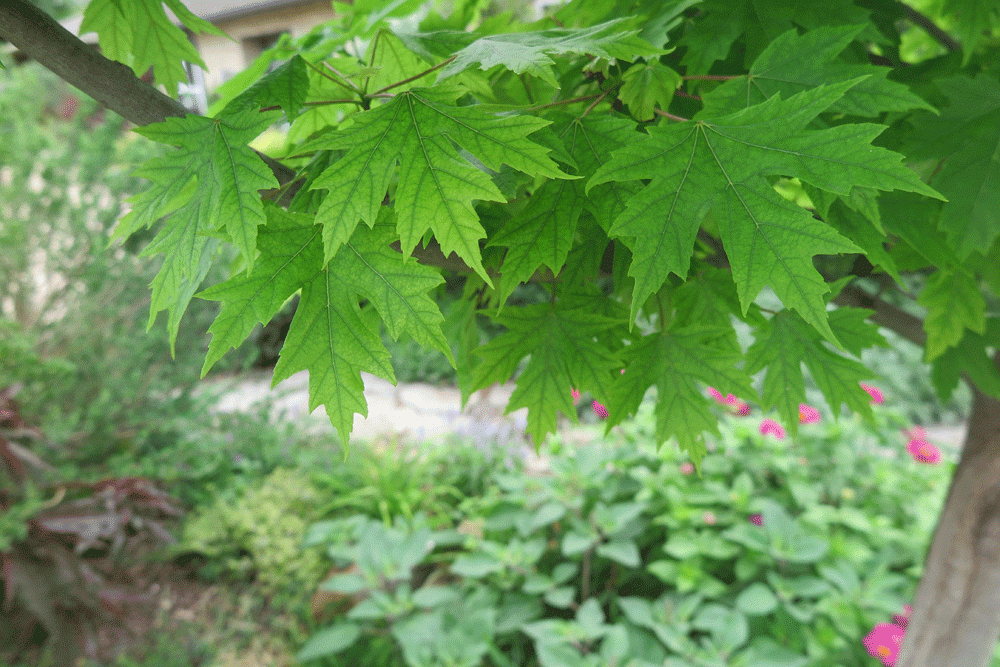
x,y
884,639
919,448
734,404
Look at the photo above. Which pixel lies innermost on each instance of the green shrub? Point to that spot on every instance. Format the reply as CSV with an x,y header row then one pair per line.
x,y
622,556
259,531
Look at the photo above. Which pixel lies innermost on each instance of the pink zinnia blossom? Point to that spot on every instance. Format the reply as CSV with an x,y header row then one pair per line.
x,y
883,642
623,371
576,394
915,433
808,414
757,519
716,394
874,392
902,620
687,468
771,426
923,451
742,409
709,518
600,410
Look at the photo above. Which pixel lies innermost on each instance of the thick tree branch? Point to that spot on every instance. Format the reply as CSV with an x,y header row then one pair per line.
x,y
111,83
886,315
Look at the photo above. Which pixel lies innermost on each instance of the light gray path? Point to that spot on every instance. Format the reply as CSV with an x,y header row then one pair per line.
x,y
418,412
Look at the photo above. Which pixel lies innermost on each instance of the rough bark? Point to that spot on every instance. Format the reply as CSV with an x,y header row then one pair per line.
x,y
956,617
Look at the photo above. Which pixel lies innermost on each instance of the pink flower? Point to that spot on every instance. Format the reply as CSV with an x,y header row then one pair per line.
x,y
743,409
709,518
874,392
600,410
687,468
716,394
623,371
757,519
883,642
902,620
576,394
923,451
734,404
915,433
771,426
808,414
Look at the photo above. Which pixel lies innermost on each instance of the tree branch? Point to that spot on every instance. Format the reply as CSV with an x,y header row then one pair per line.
x,y
111,83
932,29
886,315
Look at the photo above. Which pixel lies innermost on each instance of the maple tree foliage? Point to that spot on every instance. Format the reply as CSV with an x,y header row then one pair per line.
x,y
667,135
715,193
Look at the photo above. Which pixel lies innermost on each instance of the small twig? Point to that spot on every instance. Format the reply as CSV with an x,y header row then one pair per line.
x,y
412,78
930,27
681,93
555,104
595,103
712,77
339,79
670,115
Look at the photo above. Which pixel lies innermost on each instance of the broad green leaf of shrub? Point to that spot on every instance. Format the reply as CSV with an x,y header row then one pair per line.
x,y
329,641
721,164
531,52
436,187
756,600
728,627
621,551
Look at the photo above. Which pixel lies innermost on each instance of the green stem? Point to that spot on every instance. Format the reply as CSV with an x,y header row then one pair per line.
x,y
670,116
341,81
414,77
595,103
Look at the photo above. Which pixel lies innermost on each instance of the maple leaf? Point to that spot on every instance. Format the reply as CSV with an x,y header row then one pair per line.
x,y
211,180
563,355
967,133
648,85
721,165
291,253
786,342
531,51
139,34
969,356
366,267
678,363
436,187
793,63
726,20
286,86
954,303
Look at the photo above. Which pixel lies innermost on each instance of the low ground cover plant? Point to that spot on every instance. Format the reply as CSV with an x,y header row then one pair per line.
x,y
783,552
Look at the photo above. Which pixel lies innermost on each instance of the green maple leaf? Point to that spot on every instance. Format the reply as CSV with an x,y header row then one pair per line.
x,y
590,141
786,343
291,256
291,253
648,85
966,138
436,186
564,355
211,180
722,165
969,357
540,234
793,63
139,34
531,52
287,86
678,363
954,303
760,23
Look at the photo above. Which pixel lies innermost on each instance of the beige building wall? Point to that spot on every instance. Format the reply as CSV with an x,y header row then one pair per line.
x,y
252,34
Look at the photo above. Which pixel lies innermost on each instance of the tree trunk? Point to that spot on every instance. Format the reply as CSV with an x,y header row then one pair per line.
x,y
956,616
